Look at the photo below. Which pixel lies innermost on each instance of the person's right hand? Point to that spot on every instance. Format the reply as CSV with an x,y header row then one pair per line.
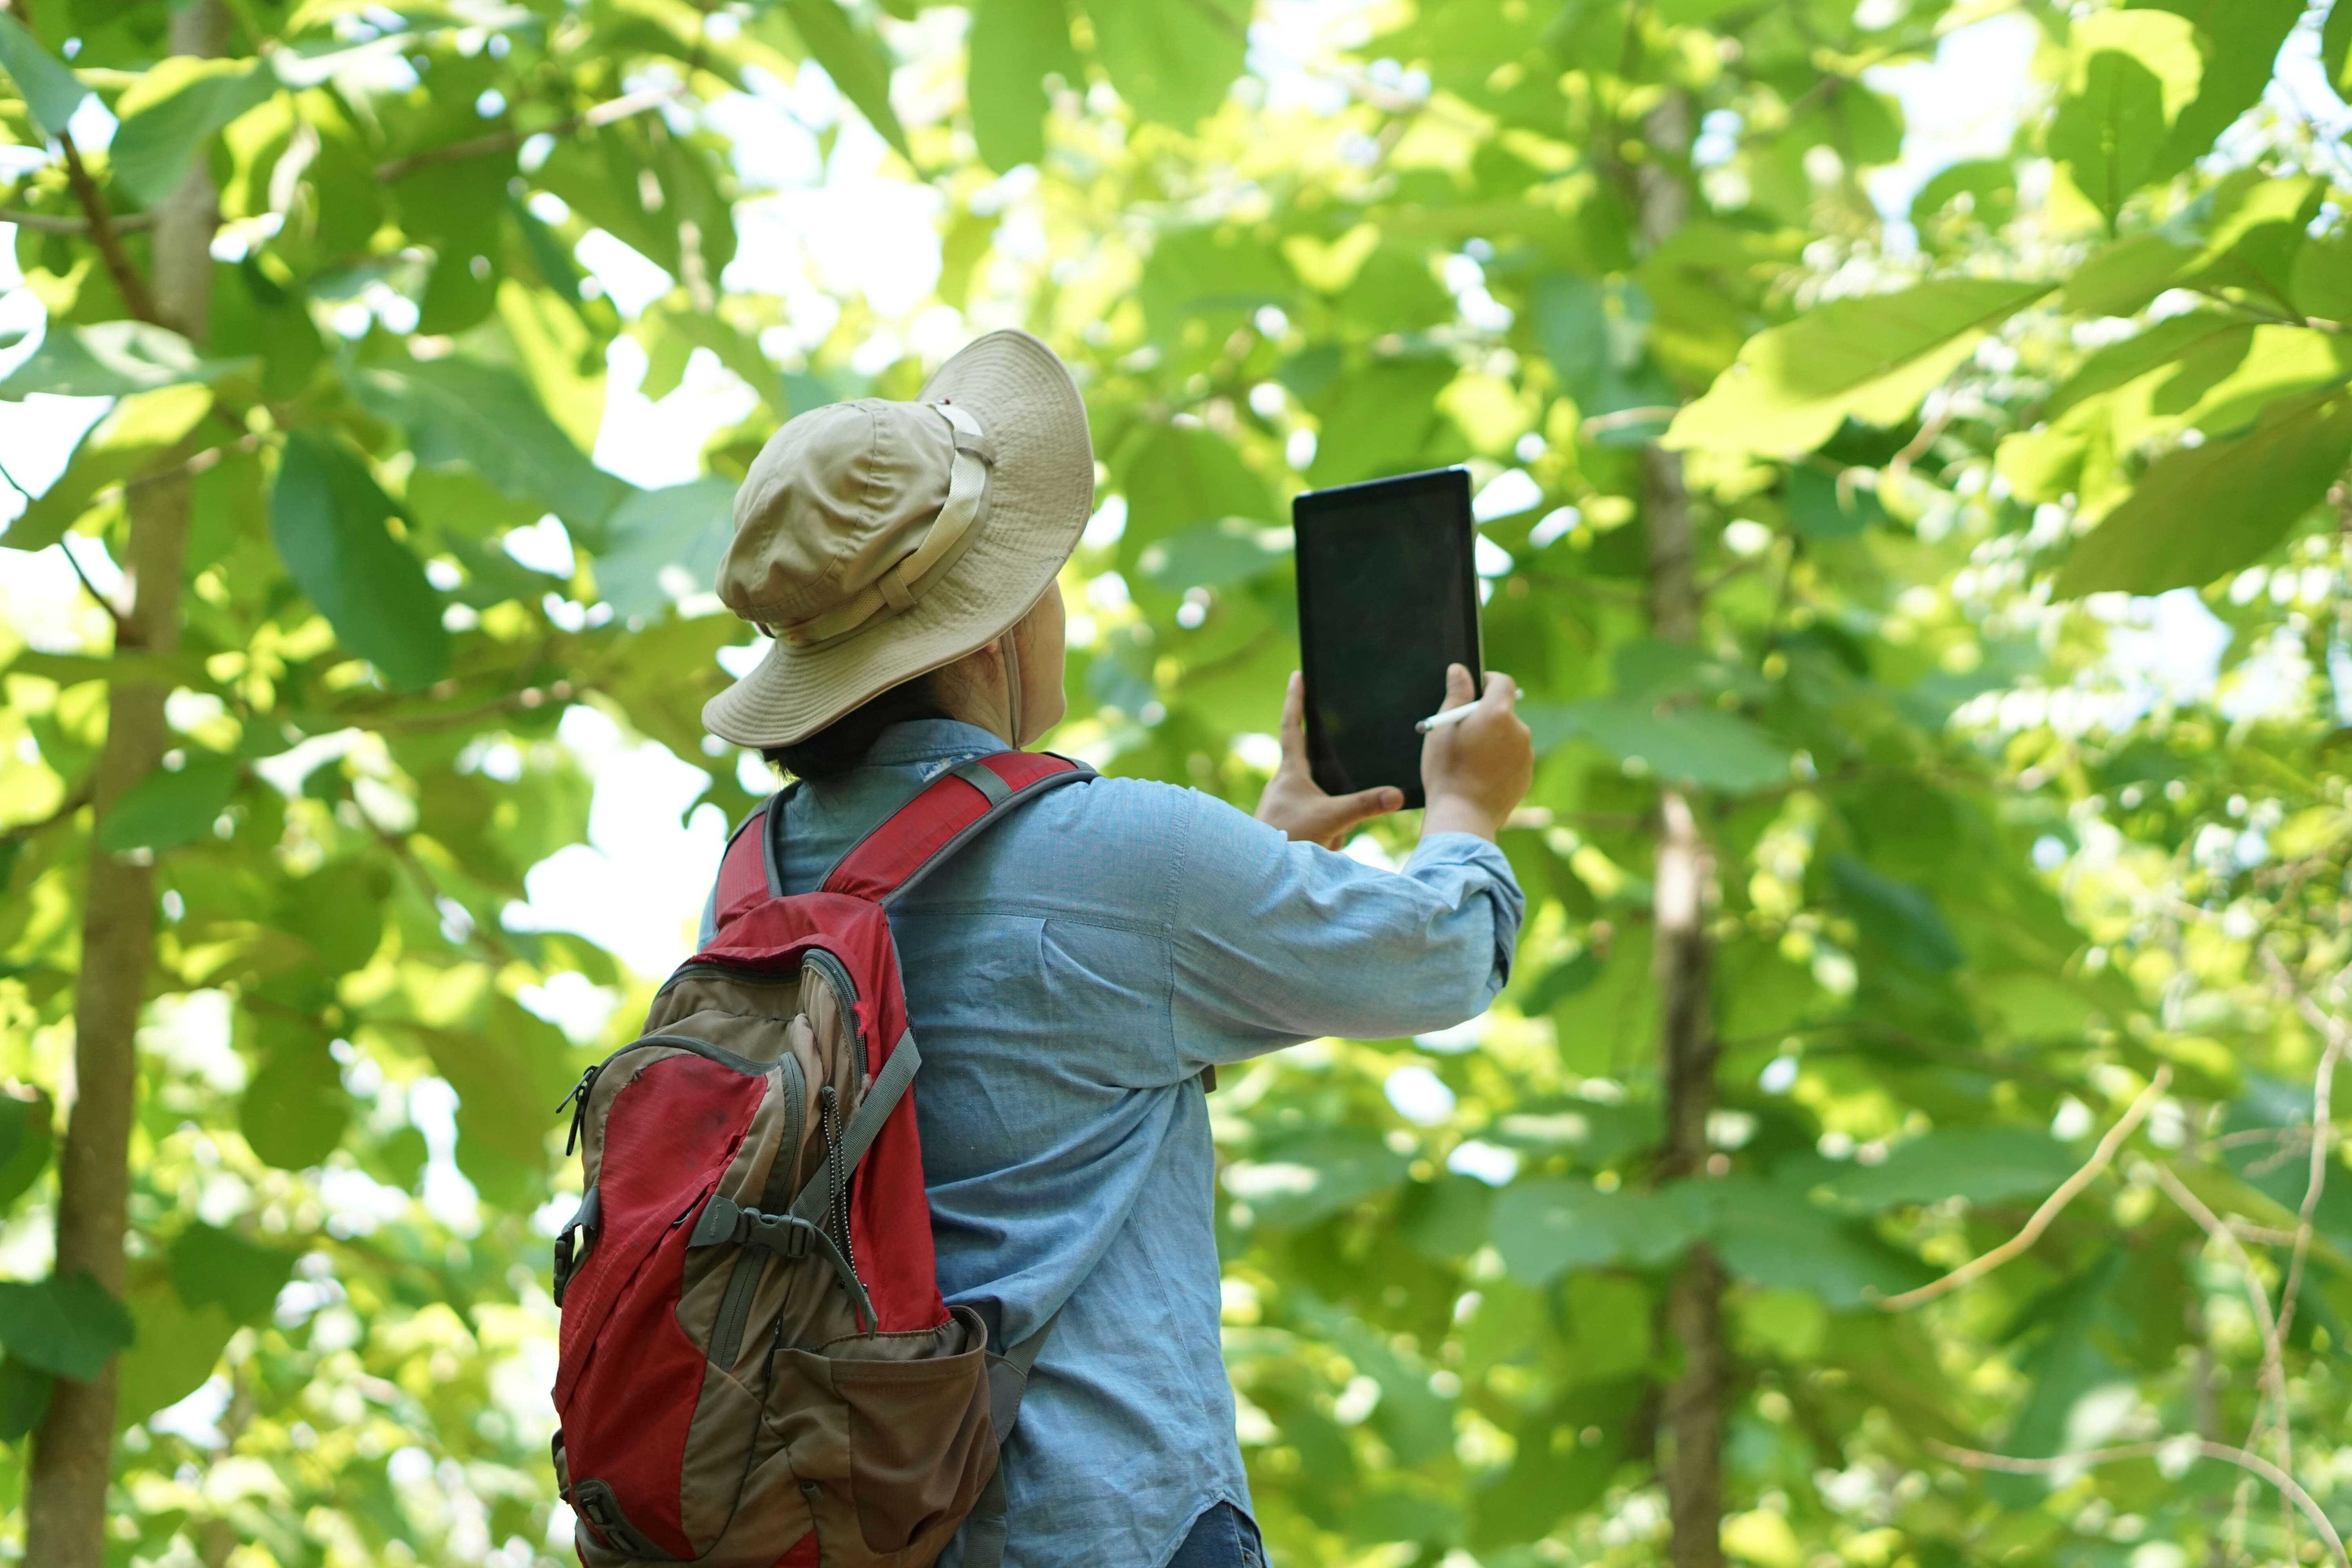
x,y
1474,772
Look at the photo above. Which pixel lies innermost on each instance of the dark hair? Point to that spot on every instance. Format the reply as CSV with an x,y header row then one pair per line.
x,y
842,744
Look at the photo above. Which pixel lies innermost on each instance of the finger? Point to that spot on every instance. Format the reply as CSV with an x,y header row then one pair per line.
x,y
1294,722
1459,687
1502,691
1364,804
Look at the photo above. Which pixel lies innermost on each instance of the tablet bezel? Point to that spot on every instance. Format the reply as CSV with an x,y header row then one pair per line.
x,y
1311,507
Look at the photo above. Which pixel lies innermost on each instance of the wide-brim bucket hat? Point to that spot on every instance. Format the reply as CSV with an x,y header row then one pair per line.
x,y
877,540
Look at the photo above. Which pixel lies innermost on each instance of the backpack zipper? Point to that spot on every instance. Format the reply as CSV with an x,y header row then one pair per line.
x,y
831,967
578,1098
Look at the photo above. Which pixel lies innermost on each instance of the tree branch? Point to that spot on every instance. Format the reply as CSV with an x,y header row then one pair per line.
x,y
2204,1449
106,234
2273,1350
2052,1207
504,141
49,222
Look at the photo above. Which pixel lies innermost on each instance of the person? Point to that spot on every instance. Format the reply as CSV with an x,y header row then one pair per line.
x,y
1075,972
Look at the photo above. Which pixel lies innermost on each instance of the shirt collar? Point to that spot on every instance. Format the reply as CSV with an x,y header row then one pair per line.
x,y
931,739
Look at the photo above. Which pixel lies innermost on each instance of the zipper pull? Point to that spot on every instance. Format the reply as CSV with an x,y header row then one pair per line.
x,y
578,1101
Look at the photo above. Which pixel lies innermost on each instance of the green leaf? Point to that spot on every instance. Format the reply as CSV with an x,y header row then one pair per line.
x,y
667,545
857,61
1295,1182
1981,1164
2120,280
2336,49
2132,73
295,1107
1826,506
1214,556
1871,359
26,1141
484,417
1015,45
215,1267
1379,419
70,1326
112,359
1776,1239
2204,511
1221,273
169,808
51,92
140,429
328,517
1172,62
505,1075
1700,745
2322,284
1895,916
24,1398
173,114
178,1345
2240,40
1545,1227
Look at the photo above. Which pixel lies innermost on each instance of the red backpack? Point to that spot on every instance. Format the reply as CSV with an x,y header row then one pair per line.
x,y
757,1368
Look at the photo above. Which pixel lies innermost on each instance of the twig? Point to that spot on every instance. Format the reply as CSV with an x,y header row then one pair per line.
x,y
602,114
211,457
122,622
2203,1449
2322,1123
105,233
49,222
2274,1351
2052,1207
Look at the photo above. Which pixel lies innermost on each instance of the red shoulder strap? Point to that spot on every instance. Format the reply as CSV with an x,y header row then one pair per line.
x,y
958,804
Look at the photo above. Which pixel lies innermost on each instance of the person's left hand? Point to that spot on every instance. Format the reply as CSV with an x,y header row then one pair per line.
x,y
1296,804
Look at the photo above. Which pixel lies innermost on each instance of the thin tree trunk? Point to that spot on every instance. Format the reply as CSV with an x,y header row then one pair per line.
x,y
73,1451
1696,1413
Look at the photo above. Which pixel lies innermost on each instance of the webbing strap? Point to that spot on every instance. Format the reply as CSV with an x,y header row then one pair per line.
x,y
890,1085
985,1529
922,834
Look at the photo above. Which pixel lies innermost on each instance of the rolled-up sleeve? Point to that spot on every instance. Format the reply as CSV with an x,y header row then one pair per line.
x,y
1275,943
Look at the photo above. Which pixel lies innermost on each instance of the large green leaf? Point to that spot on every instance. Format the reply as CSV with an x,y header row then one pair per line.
x,y
2132,74
51,92
24,1398
142,429
177,1347
1172,62
112,359
329,519
1701,745
70,1326
1871,359
1981,1164
1894,917
2336,49
855,58
295,1106
174,113
169,808
215,1267
2240,40
1299,1180
26,1140
2210,509
1774,1237
461,411
667,545
1015,45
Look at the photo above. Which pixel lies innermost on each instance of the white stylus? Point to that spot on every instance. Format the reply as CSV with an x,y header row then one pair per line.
x,y
1450,716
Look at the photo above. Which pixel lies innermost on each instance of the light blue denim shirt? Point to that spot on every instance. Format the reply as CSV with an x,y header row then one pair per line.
x,y
1069,974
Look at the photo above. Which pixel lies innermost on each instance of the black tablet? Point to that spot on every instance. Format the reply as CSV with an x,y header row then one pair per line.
x,y
1388,597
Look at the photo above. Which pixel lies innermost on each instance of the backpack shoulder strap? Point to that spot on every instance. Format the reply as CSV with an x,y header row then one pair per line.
x,y
957,806
750,869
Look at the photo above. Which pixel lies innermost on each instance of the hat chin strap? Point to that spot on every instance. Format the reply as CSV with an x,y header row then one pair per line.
x,y
1012,652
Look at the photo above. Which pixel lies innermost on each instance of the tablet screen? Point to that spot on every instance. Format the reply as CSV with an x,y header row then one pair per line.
x,y
1388,597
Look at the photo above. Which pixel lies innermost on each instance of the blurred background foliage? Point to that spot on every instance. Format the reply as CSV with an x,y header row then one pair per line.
x,y
1949,529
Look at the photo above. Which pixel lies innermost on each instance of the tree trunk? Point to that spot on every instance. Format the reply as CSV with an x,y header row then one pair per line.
x,y
73,1451
1696,1411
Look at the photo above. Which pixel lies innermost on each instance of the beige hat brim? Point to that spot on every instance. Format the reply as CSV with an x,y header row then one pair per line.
x,y
1040,494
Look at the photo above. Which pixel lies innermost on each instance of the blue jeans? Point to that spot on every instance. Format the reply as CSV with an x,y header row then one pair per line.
x,y
1221,1538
